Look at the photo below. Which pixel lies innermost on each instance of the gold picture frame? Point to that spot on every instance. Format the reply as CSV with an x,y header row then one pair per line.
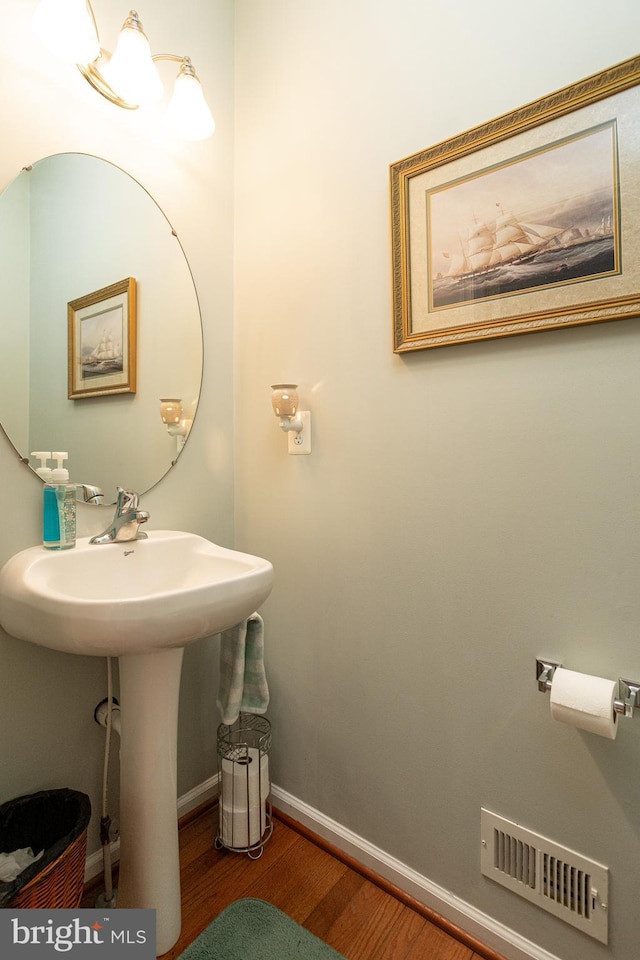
x,y
102,337
562,174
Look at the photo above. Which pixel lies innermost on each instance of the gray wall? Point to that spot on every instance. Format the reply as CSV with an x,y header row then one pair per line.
x,y
465,509
48,735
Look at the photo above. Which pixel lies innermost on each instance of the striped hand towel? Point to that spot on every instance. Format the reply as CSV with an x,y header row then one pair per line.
x,y
243,682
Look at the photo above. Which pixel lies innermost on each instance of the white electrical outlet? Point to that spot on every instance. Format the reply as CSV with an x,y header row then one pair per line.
x,y
301,442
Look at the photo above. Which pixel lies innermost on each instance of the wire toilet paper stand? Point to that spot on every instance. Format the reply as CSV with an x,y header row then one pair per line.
x,y
245,818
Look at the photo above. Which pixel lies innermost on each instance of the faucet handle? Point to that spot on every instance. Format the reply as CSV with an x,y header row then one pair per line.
x,y
127,500
126,522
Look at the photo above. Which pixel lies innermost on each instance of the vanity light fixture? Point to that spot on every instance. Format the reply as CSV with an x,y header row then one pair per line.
x,y
176,423
129,77
296,423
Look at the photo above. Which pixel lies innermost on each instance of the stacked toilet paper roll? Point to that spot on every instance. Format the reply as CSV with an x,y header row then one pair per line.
x,y
243,795
585,702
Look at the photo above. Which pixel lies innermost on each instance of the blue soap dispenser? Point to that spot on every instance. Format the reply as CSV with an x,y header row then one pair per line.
x,y
59,508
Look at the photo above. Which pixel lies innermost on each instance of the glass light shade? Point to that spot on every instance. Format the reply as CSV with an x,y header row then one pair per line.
x,y
131,73
171,411
188,115
67,29
284,399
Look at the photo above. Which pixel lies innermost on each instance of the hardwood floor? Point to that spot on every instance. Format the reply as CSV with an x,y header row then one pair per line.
x,y
357,913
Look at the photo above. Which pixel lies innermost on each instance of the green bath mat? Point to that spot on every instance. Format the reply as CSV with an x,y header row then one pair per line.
x,y
254,930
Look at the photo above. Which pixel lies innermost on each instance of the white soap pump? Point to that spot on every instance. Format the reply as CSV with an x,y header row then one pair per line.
x,y
43,470
59,474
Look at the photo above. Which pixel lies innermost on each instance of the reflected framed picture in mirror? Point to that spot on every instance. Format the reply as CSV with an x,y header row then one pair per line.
x,y
102,341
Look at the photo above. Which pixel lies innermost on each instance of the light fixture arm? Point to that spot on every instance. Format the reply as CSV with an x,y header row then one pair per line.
x,y
127,77
91,71
92,75
187,69
93,17
174,58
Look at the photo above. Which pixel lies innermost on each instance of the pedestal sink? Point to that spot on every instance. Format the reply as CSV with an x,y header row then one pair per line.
x,y
143,602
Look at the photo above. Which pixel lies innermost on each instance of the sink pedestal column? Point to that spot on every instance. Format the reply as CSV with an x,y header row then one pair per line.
x,y
149,857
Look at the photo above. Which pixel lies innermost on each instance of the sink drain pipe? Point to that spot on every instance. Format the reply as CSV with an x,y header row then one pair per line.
x,y
107,714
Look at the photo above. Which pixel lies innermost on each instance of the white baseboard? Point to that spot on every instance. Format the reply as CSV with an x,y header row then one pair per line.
x,y
489,931
480,925
199,795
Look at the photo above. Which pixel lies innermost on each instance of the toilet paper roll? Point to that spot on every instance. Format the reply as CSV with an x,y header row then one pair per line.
x,y
242,828
244,790
245,783
585,702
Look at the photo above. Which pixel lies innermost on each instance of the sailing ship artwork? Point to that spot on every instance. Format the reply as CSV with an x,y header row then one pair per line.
x,y
102,335
548,218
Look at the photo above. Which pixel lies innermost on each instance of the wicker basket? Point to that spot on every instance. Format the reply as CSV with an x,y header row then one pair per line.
x,y
55,821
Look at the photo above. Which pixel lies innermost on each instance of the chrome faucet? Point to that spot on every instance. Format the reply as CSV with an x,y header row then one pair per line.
x,y
126,520
89,493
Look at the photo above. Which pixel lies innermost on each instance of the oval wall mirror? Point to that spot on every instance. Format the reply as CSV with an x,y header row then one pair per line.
x,y
81,371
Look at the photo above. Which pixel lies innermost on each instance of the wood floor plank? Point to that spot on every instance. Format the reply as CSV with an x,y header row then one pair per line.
x,y
195,842
364,925
401,936
302,877
321,919
437,945
299,880
217,878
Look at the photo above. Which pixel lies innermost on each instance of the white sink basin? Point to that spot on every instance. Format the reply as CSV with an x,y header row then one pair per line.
x,y
141,601
137,597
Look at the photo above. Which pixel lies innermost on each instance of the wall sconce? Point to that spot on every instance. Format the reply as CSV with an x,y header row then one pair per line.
x,y
129,77
177,424
296,423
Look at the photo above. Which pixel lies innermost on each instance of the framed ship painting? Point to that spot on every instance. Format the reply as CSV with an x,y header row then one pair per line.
x,y
102,341
529,222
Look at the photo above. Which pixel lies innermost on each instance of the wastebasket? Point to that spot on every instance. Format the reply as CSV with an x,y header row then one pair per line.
x,y
244,807
56,822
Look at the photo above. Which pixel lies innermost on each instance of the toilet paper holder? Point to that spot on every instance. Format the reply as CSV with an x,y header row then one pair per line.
x,y
628,690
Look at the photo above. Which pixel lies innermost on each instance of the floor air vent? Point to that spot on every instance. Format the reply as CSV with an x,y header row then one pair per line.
x,y
559,880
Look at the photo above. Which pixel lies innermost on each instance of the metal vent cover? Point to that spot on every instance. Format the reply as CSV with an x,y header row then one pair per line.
x,y
559,880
